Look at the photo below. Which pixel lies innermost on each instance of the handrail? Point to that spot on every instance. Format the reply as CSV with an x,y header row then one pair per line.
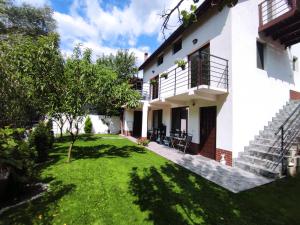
x,y
269,10
286,139
287,120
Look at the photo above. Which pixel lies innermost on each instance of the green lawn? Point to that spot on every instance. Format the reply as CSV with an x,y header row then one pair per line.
x,y
113,181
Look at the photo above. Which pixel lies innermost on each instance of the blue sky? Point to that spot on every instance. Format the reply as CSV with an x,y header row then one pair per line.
x,y
108,25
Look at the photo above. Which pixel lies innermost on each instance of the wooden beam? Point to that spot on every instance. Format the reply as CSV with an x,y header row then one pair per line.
x,y
292,42
285,29
289,36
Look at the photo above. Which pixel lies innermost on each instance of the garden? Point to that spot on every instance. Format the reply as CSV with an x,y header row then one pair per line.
x,y
111,180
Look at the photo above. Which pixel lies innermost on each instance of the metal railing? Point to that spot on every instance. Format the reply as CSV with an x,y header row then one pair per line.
x,y
206,71
287,133
272,10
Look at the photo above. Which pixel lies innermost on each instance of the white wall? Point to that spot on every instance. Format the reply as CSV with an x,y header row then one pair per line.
x,y
257,94
98,126
128,119
217,31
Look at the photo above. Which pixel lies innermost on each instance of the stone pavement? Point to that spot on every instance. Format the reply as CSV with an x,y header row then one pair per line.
x,y
230,178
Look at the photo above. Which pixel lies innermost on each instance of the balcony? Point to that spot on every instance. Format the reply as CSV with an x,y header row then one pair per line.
x,y
280,19
205,76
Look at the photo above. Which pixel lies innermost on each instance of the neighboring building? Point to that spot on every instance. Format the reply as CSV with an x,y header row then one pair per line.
x,y
242,68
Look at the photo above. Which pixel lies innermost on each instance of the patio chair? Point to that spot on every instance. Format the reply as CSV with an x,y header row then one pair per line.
x,y
167,141
184,145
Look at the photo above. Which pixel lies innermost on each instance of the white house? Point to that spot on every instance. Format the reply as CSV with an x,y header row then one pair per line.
x,y
242,68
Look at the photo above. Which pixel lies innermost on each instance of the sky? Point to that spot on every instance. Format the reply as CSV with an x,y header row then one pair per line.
x,y
108,25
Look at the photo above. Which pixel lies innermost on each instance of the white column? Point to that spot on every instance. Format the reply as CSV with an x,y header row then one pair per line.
x,y
145,119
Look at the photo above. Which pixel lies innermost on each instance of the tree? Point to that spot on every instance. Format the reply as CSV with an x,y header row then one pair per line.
x,y
186,17
89,85
123,63
25,20
31,75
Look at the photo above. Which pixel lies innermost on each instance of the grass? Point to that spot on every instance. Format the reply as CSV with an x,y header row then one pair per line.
x,y
113,181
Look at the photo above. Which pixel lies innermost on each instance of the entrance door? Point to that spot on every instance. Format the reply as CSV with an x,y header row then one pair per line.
x,y
157,119
200,67
208,131
137,124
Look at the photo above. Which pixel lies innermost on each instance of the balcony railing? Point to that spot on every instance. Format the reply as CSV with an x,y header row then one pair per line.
x,y
205,71
273,11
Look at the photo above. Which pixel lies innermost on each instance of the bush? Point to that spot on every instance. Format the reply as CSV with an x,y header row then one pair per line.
x,y
143,141
88,125
16,160
41,140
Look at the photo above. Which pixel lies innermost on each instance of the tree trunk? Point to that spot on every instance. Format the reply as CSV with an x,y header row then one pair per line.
x,y
61,132
70,151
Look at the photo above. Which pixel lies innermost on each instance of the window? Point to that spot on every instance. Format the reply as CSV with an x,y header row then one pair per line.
x,y
260,48
177,46
295,63
160,60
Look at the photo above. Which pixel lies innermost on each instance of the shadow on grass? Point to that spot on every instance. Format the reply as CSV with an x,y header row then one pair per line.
x,y
173,195
39,211
101,150
81,137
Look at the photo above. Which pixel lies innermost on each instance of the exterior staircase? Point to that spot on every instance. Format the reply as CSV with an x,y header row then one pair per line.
x,y
265,154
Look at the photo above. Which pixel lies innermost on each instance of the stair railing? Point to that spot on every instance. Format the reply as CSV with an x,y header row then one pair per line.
x,y
288,131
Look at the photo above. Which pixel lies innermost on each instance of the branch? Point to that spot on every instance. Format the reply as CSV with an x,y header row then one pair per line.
x,y
166,15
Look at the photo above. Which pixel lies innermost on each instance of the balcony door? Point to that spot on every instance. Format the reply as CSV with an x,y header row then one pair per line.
x,y
199,62
155,87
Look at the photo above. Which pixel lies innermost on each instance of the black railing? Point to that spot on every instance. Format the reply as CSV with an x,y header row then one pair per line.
x,y
205,71
287,133
270,10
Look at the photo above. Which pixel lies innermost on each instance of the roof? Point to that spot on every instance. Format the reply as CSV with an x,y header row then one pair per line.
x,y
200,10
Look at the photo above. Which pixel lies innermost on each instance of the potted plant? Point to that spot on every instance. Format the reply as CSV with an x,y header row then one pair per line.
x,y
181,63
164,75
153,82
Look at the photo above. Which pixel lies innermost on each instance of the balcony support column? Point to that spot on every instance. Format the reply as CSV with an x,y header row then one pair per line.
x,y
145,119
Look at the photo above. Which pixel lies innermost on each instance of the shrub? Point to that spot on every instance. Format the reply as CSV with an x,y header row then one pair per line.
x,y
49,126
41,140
88,125
143,141
16,160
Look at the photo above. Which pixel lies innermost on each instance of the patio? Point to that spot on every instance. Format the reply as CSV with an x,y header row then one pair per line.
x,y
230,178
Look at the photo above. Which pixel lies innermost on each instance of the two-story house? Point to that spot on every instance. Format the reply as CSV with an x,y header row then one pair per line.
x,y
242,68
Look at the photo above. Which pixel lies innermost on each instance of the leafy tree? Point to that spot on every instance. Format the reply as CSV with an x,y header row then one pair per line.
x,y
123,63
31,77
89,85
25,20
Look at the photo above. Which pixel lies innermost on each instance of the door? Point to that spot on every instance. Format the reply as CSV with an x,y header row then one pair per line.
x,y
137,124
200,67
179,120
157,119
208,131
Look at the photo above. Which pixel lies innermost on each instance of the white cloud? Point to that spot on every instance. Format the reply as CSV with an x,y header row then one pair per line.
x,y
37,3
107,30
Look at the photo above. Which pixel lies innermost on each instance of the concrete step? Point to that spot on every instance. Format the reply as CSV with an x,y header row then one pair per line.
x,y
270,148
270,141
259,170
260,162
272,156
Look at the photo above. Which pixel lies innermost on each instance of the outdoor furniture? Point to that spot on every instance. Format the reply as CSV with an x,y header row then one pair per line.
x,y
167,141
185,143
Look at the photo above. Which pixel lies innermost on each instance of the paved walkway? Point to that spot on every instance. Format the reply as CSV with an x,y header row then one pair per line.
x,y
231,178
